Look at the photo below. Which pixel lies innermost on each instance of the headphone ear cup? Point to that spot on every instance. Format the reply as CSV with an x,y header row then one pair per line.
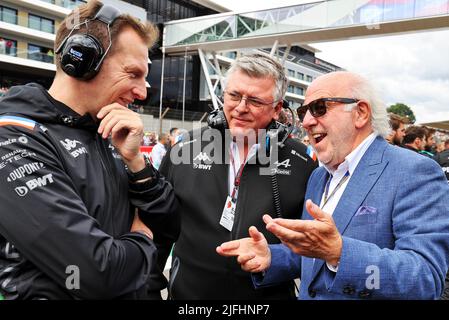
x,y
81,56
217,119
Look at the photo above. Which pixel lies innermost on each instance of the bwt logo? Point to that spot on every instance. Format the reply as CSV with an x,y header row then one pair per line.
x,y
33,184
21,191
69,144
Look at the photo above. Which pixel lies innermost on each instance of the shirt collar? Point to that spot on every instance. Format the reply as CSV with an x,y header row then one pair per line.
x,y
251,152
353,159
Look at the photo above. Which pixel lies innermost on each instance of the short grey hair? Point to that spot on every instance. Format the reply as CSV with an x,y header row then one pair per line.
x,y
364,90
260,65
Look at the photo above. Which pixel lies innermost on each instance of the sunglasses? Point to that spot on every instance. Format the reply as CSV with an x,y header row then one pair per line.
x,y
318,107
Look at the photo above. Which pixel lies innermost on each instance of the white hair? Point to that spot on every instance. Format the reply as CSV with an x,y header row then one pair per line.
x,y
364,90
260,65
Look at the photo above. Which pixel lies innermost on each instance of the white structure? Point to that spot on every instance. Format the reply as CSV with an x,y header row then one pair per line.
x,y
314,21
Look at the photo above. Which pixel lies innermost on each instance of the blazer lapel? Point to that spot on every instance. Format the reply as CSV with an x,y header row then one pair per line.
x,y
316,191
363,178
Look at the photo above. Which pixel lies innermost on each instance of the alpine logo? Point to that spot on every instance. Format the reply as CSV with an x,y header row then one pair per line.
x,y
281,172
69,145
33,184
202,156
285,163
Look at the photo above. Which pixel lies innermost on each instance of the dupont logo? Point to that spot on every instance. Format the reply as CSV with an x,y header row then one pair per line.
x,y
24,170
33,184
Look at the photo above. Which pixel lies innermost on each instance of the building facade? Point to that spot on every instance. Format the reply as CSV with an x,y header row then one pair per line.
x,y
27,34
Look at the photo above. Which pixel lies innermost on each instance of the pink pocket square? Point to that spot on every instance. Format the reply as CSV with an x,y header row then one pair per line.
x,y
364,210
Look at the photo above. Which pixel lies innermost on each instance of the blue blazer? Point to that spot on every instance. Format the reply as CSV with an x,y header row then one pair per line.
x,y
394,220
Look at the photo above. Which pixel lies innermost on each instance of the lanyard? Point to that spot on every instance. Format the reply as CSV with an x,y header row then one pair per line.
x,y
237,176
326,189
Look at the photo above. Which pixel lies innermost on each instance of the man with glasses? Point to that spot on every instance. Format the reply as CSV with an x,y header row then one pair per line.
x,y
223,190
367,232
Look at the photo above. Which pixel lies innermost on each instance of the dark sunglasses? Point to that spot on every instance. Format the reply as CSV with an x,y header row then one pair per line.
x,y
318,107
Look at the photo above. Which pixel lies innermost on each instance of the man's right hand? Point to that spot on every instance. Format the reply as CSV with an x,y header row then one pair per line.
x,y
253,253
126,130
139,226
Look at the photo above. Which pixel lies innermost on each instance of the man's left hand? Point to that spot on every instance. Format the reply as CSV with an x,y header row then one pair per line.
x,y
126,129
318,238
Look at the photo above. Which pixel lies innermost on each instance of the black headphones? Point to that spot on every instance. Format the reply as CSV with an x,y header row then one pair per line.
x,y
217,120
82,54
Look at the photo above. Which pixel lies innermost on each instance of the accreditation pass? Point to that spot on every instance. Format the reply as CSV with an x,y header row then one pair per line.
x,y
227,217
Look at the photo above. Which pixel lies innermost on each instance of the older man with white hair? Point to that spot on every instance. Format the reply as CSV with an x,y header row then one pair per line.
x,y
366,231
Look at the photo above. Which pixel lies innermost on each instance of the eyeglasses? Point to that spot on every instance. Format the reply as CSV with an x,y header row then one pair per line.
x,y
318,107
234,98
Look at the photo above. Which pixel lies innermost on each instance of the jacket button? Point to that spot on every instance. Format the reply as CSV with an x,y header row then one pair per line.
x,y
364,294
349,290
312,293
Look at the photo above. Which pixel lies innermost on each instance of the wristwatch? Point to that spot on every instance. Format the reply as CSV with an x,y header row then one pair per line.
x,y
145,173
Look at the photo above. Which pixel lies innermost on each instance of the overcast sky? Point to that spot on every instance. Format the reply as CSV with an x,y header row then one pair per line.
x,y
410,68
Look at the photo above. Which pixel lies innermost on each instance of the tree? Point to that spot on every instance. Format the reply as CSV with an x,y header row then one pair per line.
x,y
402,110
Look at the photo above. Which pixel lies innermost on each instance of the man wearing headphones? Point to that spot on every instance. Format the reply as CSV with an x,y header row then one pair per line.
x,y
223,188
82,209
